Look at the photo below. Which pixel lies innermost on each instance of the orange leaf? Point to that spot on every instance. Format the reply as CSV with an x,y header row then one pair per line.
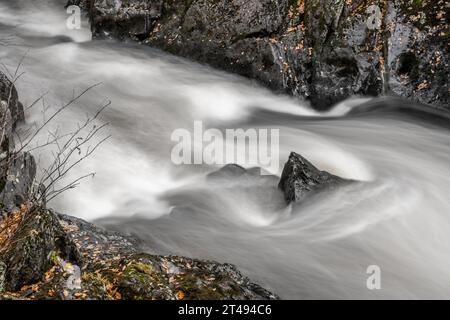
x,y
180,295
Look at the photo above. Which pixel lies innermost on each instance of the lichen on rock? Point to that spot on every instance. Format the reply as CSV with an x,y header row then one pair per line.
x,y
111,267
320,50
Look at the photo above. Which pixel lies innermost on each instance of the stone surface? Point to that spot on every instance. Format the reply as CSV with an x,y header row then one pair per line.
x,y
301,179
17,170
320,50
53,256
418,50
19,182
45,255
27,238
8,94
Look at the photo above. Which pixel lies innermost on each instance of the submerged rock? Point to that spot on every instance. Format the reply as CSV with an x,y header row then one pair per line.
x,y
253,185
321,50
300,179
231,171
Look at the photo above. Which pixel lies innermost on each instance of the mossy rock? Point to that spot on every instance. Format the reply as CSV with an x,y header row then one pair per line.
x,y
26,252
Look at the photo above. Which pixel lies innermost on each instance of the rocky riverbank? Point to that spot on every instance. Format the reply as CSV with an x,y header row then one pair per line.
x,y
46,255
320,50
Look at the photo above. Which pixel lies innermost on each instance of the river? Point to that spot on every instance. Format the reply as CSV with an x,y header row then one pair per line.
x,y
397,218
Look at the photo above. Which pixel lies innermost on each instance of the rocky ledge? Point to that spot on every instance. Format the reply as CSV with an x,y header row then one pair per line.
x,y
321,50
45,255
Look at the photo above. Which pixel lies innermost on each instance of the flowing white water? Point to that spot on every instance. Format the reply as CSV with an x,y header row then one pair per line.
x,y
398,218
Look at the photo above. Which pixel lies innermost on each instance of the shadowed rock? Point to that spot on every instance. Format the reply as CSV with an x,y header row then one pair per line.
x,y
8,95
124,19
231,171
321,50
253,184
300,178
17,170
27,238
41,249
19,182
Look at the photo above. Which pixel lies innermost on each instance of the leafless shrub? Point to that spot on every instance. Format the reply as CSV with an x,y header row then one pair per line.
x,y
68,149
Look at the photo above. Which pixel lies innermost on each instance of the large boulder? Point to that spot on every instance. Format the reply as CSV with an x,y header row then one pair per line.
x,y
18,182
17,170
124,19
27,238
321,50
52,256
418,50
300,179
9,96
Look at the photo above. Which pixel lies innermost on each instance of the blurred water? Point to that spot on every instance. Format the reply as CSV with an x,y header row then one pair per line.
x,y
397,217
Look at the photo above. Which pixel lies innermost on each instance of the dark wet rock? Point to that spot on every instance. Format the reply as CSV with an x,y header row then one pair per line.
x,y
321,50
418,51
46,255
231,171
157,277
19,182
26,240
83,4
9,96
124,19
301,179
17,170
6,137
52,256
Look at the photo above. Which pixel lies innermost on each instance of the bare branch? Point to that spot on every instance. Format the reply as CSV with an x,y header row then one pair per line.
x,y
69,149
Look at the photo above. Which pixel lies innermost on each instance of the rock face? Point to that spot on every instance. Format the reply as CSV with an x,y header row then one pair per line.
x,y
19,181
300,179
27,238
45,255
9,96
418,50
321,50
17,170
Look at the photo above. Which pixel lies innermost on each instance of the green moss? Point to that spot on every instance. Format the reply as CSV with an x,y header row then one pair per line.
x,y
96,285
138,281
194,289
417,3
